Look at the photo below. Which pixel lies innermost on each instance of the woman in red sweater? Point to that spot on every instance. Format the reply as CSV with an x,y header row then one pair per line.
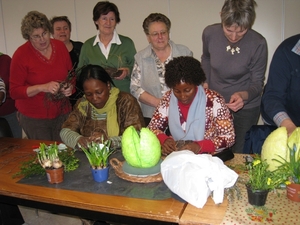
x,y
38,69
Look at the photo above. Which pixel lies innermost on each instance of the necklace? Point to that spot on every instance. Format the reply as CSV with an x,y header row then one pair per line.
x,y
232,49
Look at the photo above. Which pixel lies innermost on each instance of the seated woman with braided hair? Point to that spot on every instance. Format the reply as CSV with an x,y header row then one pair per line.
x,y
103,111
195,117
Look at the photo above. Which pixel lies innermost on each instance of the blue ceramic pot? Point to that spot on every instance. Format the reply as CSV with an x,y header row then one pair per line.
x,y
100,175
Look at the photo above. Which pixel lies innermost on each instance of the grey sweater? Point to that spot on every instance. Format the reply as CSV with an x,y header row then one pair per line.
x,y
228,73
149,79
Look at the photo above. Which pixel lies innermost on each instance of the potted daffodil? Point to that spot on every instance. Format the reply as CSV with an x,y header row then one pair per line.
x,y
97,155
290,168
261,181
48,158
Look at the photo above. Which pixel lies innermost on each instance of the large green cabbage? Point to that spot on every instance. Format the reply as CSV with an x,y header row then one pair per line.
x,y
140,150
294,138
275,145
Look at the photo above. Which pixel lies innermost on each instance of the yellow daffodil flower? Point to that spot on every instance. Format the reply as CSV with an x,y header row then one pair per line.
x,y
256,162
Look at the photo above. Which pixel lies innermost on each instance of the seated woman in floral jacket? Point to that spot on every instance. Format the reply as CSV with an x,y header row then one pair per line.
x,y
104,110
192,114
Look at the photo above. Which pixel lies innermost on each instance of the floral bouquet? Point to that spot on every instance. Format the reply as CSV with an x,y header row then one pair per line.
x,y
260,178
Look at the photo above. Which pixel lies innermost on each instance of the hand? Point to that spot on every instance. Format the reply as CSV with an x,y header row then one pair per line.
x,y
236,102
124,73
205,85
83,141
289,125
192,146
169,146
67,89
98,137
51,87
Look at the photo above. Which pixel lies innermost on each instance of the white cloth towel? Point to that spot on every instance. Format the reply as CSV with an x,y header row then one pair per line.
x,y
194,177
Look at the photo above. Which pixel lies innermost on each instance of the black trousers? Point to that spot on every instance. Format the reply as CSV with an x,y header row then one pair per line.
x,y
10,215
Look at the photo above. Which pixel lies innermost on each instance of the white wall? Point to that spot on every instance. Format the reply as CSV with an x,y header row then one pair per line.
x,y
276,19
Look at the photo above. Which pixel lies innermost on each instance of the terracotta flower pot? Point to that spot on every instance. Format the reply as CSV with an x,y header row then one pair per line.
x,y
100,175
257,197
293,192
55,176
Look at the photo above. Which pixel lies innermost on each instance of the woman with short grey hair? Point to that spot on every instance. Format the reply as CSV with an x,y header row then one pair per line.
x,y
234,60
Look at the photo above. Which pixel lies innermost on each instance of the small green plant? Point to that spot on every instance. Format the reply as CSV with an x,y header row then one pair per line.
x,y
98,153
290,167
260,178
48,156
33,167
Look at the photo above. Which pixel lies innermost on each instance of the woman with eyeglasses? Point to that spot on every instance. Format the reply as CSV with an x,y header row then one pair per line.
x,y
108,49
148,79
38,80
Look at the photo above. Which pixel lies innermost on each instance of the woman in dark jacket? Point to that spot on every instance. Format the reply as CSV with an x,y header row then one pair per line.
x,y
104,110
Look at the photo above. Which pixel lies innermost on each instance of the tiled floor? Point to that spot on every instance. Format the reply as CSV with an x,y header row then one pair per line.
x,y
41,217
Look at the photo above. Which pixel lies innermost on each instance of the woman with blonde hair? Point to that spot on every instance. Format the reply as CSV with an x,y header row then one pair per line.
x,y
39,69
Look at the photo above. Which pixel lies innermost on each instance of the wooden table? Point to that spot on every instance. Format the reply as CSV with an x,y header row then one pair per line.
x,y
277,210
90,205
73,202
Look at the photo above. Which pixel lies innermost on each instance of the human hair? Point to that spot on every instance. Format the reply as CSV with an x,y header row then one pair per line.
x,y
239,12
34,20
184,69
59,19
156,17
95,72
104,7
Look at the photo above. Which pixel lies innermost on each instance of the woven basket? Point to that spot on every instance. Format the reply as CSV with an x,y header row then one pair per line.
x,y
118,167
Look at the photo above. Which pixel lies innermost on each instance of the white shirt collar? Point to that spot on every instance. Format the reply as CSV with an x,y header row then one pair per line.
x,y
114,40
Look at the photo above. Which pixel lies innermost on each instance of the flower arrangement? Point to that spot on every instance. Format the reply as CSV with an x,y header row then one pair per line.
x,y
36,164
260,177
98,153
290,167
48,156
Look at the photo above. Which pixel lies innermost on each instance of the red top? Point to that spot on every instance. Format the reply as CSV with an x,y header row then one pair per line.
x,y
28,68
8,106
206,146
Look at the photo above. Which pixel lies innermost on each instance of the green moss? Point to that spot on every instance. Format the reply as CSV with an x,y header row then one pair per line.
x,y
32,166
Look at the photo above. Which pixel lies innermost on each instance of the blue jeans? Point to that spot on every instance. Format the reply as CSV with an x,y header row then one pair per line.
x,y
243,121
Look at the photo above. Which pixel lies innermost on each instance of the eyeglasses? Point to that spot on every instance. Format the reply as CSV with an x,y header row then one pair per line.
x,y
39,37
157,34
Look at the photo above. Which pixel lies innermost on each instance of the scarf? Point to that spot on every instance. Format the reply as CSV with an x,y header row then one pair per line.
x,y
110,108
195,122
